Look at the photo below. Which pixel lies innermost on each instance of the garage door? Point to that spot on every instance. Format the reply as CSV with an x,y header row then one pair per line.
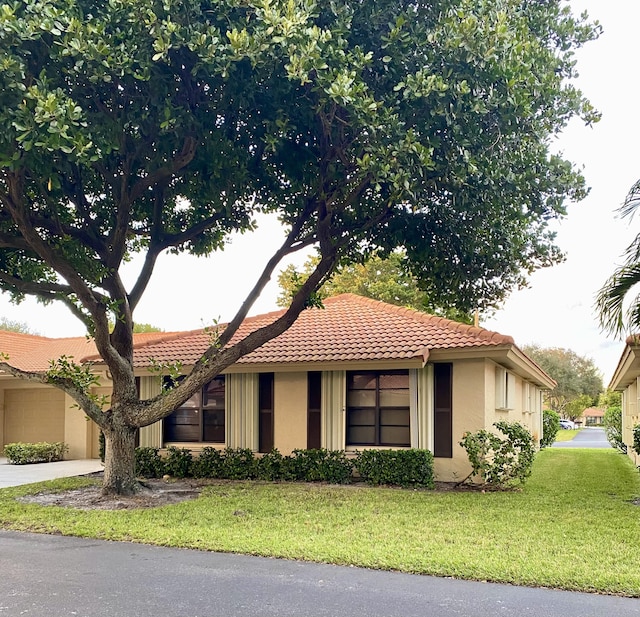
x,y
33,414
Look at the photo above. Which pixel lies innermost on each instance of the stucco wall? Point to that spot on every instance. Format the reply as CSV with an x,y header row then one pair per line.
x,y
630,417
33,414
469,411
290,411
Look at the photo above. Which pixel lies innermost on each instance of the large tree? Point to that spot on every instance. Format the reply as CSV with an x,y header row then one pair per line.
x,y
138,126
579,382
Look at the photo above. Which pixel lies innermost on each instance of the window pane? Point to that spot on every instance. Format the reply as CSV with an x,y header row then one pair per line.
x,y
361,381
214,393
182,425
394,380
362,417
395,436
214,426
193,402
361,398
394,398
361,436
394,417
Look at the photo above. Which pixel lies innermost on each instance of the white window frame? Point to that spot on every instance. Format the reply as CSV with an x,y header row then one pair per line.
x,y
505,389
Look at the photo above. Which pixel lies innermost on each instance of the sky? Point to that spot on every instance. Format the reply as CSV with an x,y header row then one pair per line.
x,y
556,310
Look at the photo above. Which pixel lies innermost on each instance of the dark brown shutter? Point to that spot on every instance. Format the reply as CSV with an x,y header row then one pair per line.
x,y
314,402
265,406
442,406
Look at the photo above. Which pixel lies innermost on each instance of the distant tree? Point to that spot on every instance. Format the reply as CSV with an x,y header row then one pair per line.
x,y
575,376
139,327
380,278
575,407
16,326
609,398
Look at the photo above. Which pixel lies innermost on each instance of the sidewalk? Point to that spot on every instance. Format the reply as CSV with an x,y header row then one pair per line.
x,y
14,475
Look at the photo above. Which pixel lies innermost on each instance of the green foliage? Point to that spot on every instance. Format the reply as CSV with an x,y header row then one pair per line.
x,y
550,427
636,438
381,278
396,467
612,421
16,326
177,462
499,461
238,464
208,464
148,463
319,466
24,453
578,379
146,127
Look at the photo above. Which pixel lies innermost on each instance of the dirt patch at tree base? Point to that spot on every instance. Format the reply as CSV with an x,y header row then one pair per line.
x,y
154,493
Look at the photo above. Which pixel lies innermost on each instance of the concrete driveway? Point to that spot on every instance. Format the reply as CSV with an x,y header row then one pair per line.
x,y
588,437
15,475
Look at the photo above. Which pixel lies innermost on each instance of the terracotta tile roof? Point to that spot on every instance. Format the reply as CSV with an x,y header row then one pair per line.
x,y
33,353
593,412
348,328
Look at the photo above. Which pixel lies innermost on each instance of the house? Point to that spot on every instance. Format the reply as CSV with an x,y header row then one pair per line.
x,y
355,374
591,416
626,379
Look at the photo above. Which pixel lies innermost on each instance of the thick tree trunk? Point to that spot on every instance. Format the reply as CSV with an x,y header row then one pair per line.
x,y
119,461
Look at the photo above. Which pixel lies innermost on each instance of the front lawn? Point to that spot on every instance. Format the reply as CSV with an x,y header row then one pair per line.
x,y
573,526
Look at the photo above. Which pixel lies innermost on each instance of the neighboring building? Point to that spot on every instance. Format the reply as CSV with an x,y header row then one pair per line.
x,y
592,416
356,374
626,379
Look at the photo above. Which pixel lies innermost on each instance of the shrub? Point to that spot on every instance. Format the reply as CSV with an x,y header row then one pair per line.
x,y
319,466
550,427
636,438
149,463
271,466
208,464
500,461
43,452
613,427
238,464
396,467
177,462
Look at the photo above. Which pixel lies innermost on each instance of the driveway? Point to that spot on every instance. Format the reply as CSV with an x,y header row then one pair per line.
x,y
15,475
52,575
588,437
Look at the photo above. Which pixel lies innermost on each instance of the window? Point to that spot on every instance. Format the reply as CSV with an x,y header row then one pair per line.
x,y
378,409
532,398
201,418
505,389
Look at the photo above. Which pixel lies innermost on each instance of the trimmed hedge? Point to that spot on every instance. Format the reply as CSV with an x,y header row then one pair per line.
x,y
394,467
43,452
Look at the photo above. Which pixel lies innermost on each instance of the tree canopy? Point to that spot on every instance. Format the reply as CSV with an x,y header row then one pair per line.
x,y
133,126
579,383
381,278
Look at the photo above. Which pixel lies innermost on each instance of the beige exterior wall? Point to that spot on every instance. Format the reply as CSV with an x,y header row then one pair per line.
x,y
630,417
290,411
33,415
469,413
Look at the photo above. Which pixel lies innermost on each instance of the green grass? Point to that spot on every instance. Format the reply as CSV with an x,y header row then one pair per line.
x,y
573,526
567,434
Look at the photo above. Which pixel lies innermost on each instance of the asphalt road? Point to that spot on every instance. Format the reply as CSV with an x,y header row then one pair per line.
x,y
588,437
54,576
